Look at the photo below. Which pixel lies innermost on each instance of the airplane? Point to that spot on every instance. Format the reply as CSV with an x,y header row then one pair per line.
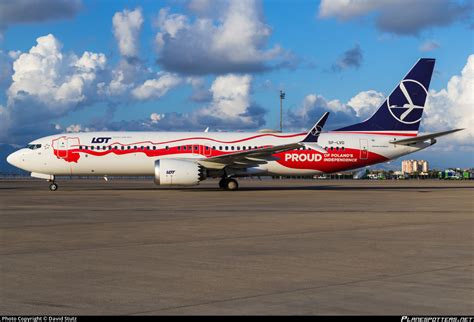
x,y
186,158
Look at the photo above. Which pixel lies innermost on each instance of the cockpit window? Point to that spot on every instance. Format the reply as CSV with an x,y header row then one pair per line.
x,y
33,146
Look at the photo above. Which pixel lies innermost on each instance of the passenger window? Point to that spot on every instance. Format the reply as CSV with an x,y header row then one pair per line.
x,y
179,148
243,148
92,147
226,148
123,148
337,148
232,148
166,148
332,148
220,148
213,147
129,147
195,148
207,148
343,148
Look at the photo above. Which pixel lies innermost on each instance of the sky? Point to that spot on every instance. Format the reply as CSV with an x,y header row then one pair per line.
x,y
175,65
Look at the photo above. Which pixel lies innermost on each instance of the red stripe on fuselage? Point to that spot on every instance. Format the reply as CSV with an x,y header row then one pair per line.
x,y
332,161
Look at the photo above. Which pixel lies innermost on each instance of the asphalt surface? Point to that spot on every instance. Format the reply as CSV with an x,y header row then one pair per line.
x,y
273,247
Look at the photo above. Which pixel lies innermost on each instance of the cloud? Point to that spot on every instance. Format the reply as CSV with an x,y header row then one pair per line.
x,y
235,43
352,58
26,11
155,117
6,68
453,106
75,128
402,17
127,26
231,108
200,93
429,45
157,87
55,80
46,84
366,103
311,109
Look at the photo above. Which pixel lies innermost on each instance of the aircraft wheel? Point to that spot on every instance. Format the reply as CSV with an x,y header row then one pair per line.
x,y
53,187
232,185
223,183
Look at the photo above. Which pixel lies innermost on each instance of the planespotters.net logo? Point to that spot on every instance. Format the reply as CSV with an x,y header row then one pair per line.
x,y
437,319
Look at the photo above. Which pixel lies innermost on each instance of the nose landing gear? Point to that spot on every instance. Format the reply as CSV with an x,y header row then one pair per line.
x,y
53,186
228,184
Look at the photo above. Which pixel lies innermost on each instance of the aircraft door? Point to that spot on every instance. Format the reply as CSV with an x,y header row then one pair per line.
x,y
206,150
364,149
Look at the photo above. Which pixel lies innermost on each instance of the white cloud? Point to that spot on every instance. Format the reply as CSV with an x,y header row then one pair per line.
x,y
230,97
155,117
127,26
311,109
230,108
56,80
75,128
453,106
365,103
46,84
429,45
156,88
234,43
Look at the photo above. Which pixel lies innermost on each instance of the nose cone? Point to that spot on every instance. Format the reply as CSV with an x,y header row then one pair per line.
x,y
14,159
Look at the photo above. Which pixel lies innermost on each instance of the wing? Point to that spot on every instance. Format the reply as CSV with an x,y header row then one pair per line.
x,y
251,158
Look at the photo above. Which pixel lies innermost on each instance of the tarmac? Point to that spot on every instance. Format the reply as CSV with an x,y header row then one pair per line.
x,y
278,247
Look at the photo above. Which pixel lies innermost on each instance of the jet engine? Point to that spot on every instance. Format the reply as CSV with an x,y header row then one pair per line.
x,y
178,172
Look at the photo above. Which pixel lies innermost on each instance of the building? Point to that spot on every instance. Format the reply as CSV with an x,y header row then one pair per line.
x,y
415,166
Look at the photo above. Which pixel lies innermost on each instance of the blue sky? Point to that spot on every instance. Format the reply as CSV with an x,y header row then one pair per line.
x,y
326,56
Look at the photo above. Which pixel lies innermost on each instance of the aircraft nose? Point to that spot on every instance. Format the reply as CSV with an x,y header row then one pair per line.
x,y
14,159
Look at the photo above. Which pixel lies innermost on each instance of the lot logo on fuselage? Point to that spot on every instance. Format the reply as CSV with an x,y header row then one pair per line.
x,y
408,100
170,172
101,140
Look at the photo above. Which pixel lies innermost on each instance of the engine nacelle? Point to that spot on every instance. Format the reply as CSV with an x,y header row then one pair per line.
x,y
178,172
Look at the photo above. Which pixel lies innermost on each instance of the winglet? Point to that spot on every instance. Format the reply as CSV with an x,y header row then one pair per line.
x,y
313,134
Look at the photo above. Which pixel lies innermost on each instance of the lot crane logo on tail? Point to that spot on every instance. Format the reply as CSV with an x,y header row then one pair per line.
x,y
408,99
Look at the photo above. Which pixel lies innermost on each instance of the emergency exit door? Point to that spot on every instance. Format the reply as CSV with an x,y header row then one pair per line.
x,y
364,149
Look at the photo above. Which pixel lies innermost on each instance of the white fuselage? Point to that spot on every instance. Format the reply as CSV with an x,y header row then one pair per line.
x,y
134,153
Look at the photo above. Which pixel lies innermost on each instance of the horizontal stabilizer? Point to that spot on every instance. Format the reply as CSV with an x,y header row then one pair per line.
x,y
423,138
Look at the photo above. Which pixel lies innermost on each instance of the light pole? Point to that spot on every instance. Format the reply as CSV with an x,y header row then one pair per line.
x,y
282,97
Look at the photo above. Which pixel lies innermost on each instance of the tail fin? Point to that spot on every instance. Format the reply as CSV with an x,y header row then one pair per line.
x,y
403,108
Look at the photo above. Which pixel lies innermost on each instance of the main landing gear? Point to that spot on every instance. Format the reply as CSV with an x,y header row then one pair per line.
x,y
53,186
228,184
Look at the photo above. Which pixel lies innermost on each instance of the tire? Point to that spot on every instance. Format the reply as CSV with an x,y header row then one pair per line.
x,y
53,187
232,185
223,183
